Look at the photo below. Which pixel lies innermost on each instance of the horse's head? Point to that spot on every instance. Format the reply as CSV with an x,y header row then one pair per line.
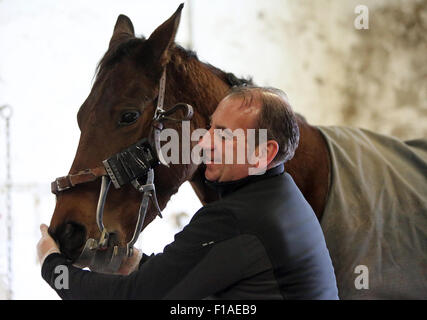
x,y
117,113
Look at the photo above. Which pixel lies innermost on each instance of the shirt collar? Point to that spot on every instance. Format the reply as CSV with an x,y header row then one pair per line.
x,y
227,187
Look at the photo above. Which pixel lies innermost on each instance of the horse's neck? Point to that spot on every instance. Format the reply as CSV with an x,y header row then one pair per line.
x,y
310,167
200,87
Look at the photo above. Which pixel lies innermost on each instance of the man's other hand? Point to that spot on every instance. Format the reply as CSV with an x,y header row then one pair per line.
x,y
46,245
130,264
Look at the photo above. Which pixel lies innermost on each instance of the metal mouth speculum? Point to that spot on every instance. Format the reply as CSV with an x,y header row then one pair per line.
x,y
96,254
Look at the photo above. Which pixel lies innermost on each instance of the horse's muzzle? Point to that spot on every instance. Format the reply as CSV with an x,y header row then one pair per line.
x,y
70,237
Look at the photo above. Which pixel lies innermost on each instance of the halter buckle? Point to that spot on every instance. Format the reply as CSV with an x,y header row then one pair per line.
x,y
58,187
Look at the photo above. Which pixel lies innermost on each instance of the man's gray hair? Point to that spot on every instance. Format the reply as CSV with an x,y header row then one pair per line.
x,y
276,116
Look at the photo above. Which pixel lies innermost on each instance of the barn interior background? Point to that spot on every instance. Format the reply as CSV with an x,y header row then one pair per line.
x,y
334,74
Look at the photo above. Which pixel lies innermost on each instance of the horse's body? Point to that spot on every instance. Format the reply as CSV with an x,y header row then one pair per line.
x,y
375,219
127,80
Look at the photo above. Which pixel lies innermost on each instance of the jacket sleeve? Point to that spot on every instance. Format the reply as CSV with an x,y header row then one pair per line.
x,y
165,275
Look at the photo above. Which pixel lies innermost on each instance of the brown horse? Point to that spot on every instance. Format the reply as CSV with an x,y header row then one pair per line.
x,y
118,112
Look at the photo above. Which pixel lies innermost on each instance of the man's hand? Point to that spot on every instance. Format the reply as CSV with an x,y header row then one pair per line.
x,y
46,245
130,264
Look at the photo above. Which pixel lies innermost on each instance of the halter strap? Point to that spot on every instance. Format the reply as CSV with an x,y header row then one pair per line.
x,y
161,97
161,115
67,182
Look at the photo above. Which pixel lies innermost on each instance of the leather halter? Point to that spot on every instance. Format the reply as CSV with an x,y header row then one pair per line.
x,y
88,175
96,254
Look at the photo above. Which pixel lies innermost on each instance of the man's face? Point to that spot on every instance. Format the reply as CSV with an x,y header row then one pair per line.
x,y
220,144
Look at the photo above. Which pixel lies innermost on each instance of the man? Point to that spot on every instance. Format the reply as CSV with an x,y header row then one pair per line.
x,y
261,240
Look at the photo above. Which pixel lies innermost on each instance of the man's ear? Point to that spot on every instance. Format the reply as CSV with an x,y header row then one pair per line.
x,y
123,30
271,151
263,156
163,37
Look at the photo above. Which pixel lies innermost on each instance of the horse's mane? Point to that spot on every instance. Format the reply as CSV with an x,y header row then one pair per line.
x,y
115,53
227,77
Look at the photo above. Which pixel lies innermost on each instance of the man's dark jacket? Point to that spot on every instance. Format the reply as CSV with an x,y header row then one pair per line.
x,y
261,240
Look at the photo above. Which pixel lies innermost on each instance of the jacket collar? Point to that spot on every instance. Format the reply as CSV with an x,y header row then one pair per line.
x,y
225,188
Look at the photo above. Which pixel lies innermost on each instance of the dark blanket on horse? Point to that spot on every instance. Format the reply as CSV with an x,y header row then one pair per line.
x,y
376,214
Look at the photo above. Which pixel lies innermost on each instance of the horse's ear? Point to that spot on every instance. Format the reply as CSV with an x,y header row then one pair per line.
x,y
163,37
122,30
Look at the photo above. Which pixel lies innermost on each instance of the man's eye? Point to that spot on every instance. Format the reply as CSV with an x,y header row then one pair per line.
x,y
129,117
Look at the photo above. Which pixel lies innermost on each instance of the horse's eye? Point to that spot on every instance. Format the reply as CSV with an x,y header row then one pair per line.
x,y
129,117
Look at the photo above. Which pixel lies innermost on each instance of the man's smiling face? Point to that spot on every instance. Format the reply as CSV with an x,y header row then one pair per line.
x,y
232,113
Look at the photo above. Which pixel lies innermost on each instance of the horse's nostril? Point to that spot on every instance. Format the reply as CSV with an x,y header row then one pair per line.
x,y
68,232
71,237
